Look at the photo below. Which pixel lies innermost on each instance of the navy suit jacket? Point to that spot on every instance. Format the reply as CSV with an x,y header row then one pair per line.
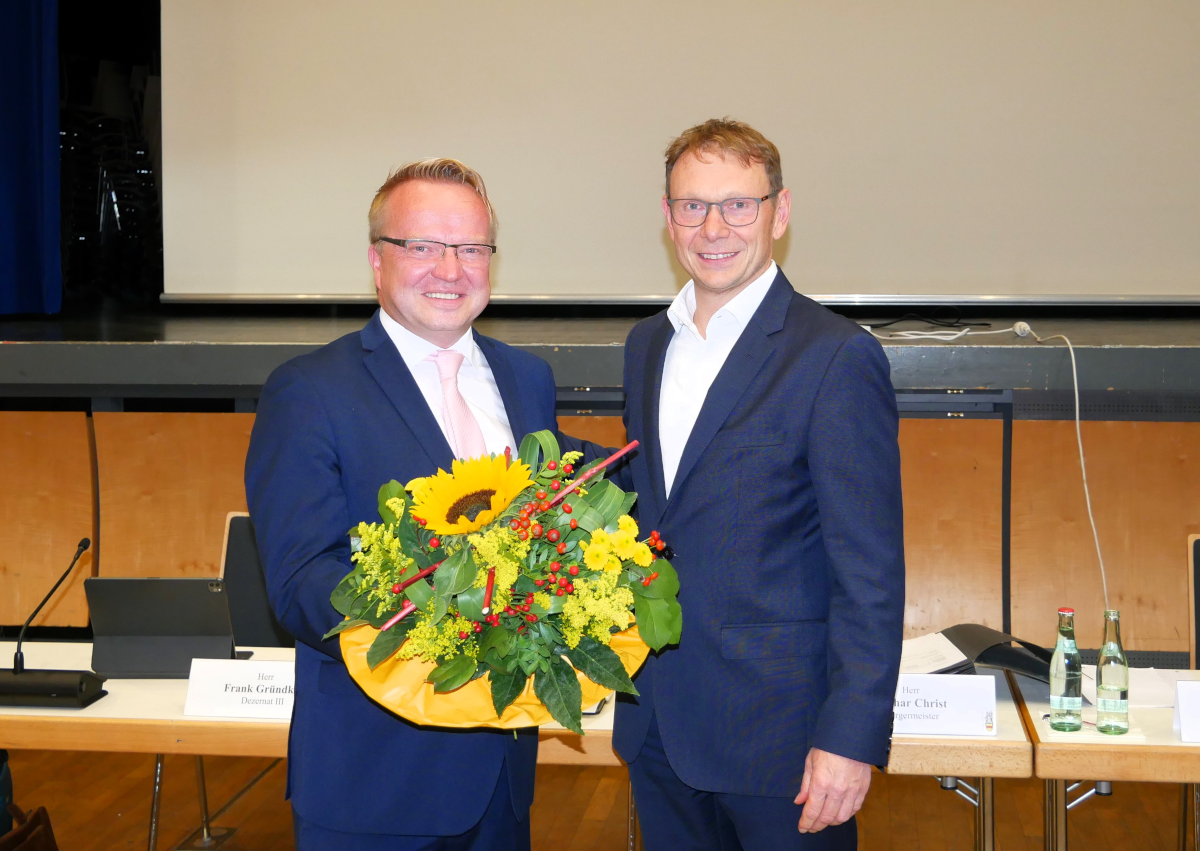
x,y
333,426
785,517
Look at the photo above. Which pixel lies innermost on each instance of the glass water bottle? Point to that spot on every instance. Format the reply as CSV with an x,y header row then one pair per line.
x,y
1066,677
1112,680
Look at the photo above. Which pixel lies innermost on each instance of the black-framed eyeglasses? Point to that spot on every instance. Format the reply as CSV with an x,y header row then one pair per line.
x,y
737,212
468,253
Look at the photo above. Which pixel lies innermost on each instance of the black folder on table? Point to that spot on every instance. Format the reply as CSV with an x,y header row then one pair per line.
x,y
986,646
153,628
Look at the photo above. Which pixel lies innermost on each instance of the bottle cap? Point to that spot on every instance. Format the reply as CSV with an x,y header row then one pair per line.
x,y
1066,611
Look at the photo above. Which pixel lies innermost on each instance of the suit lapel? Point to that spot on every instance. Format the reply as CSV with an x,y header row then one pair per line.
x,y
388,369
747,357
506,382
656,354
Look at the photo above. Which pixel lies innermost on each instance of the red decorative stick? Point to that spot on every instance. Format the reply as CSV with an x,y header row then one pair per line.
x,y
400,586
620,453
408,609
507,457
487,593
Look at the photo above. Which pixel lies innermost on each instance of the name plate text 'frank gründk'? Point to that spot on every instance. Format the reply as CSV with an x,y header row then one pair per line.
x,y
233,688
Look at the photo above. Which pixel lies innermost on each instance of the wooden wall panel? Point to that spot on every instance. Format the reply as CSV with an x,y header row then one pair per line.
x,y
167,481
1145,484
951,474
607,431
46,506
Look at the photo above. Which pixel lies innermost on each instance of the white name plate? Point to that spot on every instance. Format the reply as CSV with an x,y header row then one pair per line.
x,y
945,705
236,688
1187,710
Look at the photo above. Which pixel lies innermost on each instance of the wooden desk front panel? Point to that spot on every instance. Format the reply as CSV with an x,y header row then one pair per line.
x,y
46,506
1143,478
166,482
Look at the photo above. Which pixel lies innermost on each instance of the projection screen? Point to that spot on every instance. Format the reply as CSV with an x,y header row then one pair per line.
x,y
937,150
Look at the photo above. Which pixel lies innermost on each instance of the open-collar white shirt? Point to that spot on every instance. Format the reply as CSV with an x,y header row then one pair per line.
x,y
476,383
693,361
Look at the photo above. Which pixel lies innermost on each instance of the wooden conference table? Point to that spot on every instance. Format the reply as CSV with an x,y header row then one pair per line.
x,y
1150,752
146,716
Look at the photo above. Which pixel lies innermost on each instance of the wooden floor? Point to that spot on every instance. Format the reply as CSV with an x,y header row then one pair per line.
x,y
102,801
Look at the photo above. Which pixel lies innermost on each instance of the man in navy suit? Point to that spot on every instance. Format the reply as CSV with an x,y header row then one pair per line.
x,y
399,399
770,464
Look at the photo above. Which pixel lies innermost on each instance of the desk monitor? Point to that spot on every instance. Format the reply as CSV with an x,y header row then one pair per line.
x,y
153,628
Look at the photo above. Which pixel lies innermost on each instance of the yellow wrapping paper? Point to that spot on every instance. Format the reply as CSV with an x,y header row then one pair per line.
x,y
399,685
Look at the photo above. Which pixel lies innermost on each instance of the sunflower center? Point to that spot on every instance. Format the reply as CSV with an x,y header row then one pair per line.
x,y
470,505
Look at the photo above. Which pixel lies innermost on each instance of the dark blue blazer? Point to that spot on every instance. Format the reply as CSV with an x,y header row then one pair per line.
x,y
333,426
785,517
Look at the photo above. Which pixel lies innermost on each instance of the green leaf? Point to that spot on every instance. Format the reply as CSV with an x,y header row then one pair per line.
x,y
387,643
410,542
601,665
453,674
497,638
506,688
377,620
538,448
503,664
659,622
559,691
456,574
470,604
392,490
524,584
666,586
556,603
349,623
420,593
346,593
589,519
606,499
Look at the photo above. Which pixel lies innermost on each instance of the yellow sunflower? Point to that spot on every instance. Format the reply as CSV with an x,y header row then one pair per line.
x,y
468,498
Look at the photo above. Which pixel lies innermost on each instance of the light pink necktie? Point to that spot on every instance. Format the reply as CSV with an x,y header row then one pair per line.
x,y
465,437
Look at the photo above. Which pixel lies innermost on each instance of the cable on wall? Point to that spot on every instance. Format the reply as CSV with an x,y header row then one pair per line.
x,y
956,331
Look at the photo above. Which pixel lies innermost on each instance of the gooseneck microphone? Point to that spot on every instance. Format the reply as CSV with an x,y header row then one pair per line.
x,y
19,657
61,689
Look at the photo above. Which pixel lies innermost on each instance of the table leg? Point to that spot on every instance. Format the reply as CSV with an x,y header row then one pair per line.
x,y
985,816
155,797
1195,787
1054,813
633,825
1184,825
207,836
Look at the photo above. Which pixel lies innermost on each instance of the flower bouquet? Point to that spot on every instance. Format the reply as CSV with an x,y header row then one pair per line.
x,y
505,592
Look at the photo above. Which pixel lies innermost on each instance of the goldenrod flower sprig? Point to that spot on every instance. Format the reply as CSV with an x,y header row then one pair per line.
x,y
508,568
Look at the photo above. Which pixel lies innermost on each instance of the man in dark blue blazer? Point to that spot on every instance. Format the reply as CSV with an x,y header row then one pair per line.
x,y
333,426
770,464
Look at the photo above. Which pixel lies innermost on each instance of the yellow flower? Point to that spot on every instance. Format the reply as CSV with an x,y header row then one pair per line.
x,y
601,541
595,558
502,549
470,497
612,564
596,607
624,544
627,524
642,557
396,505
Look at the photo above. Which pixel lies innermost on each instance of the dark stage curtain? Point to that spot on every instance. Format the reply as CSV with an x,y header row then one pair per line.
x,y
30,262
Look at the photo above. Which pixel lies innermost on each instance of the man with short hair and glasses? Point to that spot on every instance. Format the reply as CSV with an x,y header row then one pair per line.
x,y
770,463
400,399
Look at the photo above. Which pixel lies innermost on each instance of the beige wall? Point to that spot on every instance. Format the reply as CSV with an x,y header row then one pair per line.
x,y
935,146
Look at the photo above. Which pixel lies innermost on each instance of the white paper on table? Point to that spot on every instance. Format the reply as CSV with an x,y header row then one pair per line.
x,y
1149,688
1187,710
928,654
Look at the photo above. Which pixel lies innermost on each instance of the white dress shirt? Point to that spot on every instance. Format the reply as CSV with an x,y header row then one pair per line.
x,y
693,361
475,382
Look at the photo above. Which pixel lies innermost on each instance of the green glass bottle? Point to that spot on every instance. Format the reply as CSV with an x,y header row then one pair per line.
x,y
1112,680
1066,677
